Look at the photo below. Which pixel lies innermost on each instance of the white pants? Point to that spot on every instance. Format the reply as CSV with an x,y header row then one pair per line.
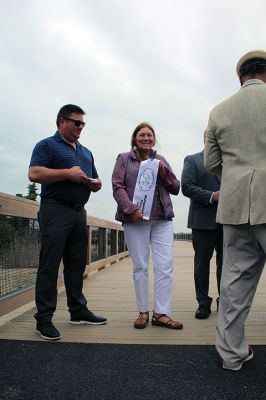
x,y
139,236
244,259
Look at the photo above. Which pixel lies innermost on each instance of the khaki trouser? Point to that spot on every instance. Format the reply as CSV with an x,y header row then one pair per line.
x,y
244,259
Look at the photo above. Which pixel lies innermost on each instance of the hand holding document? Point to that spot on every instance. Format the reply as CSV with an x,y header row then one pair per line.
x,y
145,186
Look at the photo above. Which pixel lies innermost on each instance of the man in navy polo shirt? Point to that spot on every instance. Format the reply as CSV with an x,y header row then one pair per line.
x,y
67,175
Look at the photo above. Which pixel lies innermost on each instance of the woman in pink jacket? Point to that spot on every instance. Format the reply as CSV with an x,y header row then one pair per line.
x,y
156,231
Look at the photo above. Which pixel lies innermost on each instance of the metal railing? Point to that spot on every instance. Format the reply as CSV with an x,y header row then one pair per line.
x,y
20,244
183,236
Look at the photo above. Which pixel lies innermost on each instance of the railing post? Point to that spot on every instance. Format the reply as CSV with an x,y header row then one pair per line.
x,y
106,242
89,246
116,241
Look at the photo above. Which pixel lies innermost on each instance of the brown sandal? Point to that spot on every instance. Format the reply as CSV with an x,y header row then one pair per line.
x,y
170,323
142,320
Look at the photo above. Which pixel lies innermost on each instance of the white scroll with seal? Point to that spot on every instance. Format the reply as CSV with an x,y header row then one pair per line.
x,y
145,186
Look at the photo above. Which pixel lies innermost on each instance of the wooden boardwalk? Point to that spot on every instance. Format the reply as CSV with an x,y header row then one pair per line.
x,y
110,292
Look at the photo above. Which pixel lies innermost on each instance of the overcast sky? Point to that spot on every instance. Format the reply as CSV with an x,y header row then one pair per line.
x,y
123,61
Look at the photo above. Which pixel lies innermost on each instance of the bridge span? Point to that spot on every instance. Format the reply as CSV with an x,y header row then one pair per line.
x,y
110,292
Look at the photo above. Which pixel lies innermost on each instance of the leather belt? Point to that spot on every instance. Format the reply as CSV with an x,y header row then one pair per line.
x,y
65,203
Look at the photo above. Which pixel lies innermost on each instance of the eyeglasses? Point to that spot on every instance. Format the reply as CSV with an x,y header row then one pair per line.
x,y
77,122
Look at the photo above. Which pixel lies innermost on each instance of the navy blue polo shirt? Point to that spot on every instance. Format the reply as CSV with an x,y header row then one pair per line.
x,y
54,152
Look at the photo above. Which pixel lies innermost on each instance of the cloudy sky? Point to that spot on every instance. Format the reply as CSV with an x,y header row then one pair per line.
x,y
123,61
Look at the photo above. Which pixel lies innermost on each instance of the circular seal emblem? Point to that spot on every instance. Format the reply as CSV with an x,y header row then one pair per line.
x,y
146,179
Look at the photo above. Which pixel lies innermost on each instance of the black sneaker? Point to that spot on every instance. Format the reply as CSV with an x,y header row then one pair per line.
x,y
203,312
87,317
47,330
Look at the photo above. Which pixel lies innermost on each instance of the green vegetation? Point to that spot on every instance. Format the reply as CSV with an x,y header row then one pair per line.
x,y
32,192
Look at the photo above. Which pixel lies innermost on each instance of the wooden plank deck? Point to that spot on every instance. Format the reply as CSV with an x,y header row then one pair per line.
x,y
111,293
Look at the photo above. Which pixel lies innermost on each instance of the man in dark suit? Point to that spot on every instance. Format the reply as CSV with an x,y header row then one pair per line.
x,y
207,235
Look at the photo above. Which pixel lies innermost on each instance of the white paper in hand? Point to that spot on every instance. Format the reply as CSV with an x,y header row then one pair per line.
x,y
145,186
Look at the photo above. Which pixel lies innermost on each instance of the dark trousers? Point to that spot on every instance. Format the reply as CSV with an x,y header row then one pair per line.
x,y
64,235
205,241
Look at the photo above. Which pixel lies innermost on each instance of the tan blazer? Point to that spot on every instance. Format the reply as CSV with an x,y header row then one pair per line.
x,y
235,149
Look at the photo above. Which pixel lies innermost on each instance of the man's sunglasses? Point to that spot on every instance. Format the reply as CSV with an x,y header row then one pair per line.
x,y
77,122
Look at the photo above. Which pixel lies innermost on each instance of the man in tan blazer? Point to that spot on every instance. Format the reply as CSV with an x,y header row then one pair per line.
x,y
235,149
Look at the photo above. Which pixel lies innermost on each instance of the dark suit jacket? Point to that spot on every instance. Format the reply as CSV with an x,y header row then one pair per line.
x,y
198,184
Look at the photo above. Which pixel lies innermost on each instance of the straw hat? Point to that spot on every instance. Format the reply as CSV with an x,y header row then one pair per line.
x,y
250,56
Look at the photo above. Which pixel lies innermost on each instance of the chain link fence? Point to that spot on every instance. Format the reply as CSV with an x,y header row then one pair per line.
x,y
20,247
19,253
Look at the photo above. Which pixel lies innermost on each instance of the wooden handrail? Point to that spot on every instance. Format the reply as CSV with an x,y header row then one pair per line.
x,y
20,207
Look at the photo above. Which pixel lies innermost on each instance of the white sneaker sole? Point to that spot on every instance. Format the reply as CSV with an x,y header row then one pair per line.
x,y
46,337
87,323
248,358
